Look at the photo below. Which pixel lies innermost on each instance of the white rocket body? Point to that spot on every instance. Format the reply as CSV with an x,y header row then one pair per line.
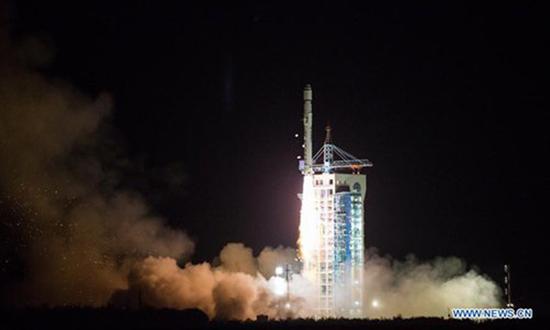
x,y
308,125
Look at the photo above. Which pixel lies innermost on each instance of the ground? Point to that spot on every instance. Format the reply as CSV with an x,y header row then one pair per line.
x,y
88,318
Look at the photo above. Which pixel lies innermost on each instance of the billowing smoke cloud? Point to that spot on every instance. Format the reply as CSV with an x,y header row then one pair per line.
x,y
76,233
392,288
233,290
235,257
413,288
270,258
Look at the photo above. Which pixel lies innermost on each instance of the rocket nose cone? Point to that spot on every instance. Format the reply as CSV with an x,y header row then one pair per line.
x,y
308,95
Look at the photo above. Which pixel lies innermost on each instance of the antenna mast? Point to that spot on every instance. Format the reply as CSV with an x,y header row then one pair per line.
x,y
508,288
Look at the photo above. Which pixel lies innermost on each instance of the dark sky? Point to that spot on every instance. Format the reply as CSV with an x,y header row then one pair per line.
x,y
445,99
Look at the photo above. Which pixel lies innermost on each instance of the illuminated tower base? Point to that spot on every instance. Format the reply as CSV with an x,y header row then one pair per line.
x,y
335,261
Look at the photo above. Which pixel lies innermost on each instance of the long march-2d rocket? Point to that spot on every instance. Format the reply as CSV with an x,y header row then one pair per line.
x,y
308,125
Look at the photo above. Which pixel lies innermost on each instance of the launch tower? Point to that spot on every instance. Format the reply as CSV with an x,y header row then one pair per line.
x,y
332,223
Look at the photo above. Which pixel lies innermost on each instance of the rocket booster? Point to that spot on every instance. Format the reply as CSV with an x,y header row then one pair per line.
x,y
308,123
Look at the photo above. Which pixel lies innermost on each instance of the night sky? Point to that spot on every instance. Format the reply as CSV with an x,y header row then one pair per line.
x,y
445,99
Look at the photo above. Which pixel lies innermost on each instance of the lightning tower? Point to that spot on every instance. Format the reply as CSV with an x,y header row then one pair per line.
x,y
332,223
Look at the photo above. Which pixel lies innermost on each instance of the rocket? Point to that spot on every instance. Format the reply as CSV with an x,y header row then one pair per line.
x,y
308,124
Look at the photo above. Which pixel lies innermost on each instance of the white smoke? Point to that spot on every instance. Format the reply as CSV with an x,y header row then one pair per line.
x,y
238,290
412,288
